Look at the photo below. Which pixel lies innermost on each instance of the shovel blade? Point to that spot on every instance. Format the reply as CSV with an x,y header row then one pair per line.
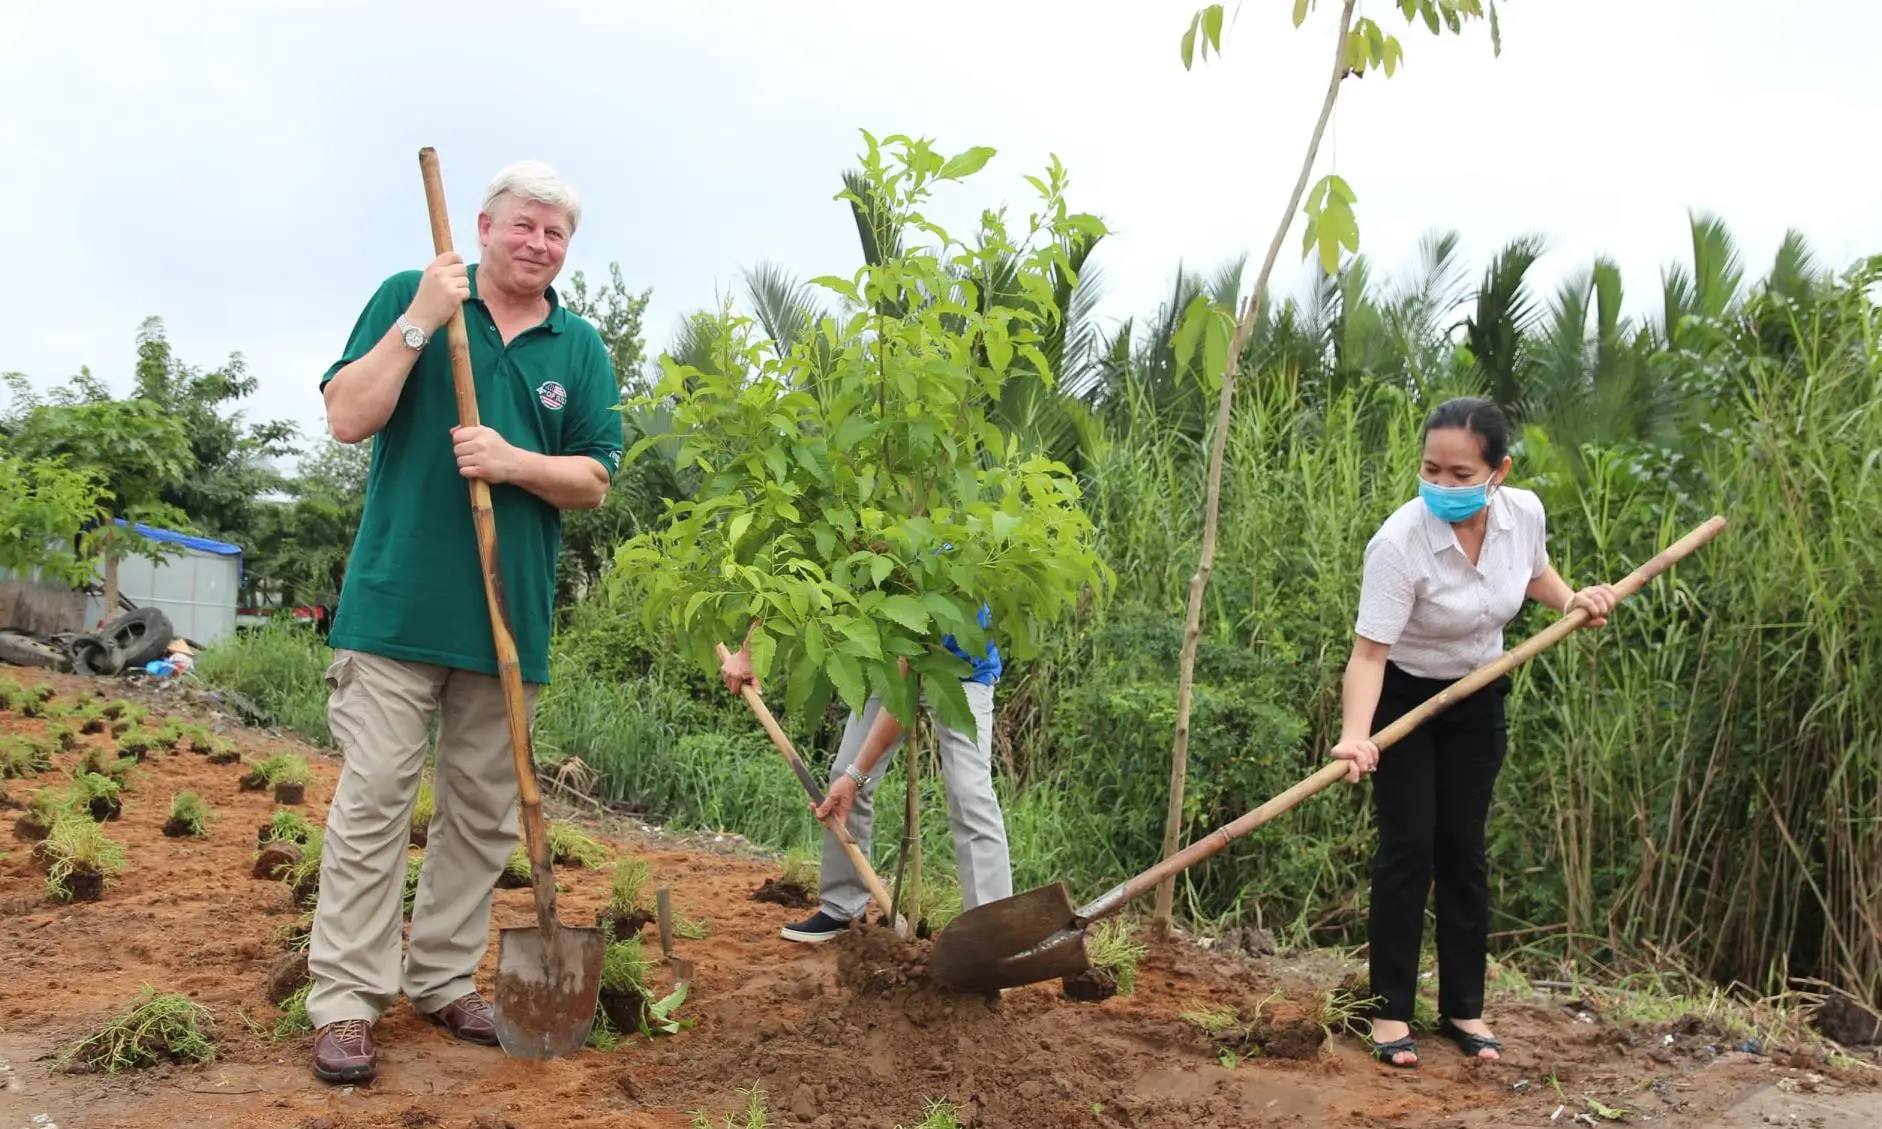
x,y
1024,939
547,988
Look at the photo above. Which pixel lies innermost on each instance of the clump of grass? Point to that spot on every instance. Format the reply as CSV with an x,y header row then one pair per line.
x,y
97,794
1340,1010
158,1028
303,878
516,871
756,1117
169,734
628,886
283,768
292,1018
287,824
63,737
624,967
423,809
21,757
1114,949
414,864
90,718
136,744
10,691
200,739
602,1036
570,846
799,869
688,929
187,814
113,710
78,846
101,762
222,751
47,807
938,1114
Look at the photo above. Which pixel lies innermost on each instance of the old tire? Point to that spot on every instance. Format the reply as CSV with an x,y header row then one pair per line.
x,y
140,637
24,650
94,656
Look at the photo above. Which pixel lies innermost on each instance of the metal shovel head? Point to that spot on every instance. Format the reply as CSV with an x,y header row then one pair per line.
x,y
1023,939
547,989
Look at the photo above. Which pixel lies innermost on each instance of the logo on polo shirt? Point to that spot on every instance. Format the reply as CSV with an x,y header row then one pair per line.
x,y
552,395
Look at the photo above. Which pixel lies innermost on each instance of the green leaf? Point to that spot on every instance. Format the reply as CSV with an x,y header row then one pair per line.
x,y
1496,32
1189,330
806,674
999,353
739,524
907,611
948,697
764,648
865,635
1212,26
880,567
1189,42
966,163
1300,12
1394,55
847,674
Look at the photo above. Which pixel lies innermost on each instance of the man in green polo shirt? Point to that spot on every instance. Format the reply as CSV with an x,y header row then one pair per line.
x,y
412,638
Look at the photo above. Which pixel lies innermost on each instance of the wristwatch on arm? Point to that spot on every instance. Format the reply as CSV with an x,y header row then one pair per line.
x,y
854,775
415,337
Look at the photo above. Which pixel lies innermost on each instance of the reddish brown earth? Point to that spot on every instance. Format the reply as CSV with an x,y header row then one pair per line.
x,y
844,1035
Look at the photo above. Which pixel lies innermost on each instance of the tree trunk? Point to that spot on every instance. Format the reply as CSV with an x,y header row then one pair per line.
x,y
1192,627
111,584
911,749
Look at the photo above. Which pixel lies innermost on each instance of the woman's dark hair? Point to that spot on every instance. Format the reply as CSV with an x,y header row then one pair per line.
x,y
1480,417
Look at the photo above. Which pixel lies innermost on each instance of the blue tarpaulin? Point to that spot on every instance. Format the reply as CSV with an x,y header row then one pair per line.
x,y
221,548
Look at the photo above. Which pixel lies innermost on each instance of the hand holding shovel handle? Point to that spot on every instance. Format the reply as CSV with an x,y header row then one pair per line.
x,y
811,788
1115,898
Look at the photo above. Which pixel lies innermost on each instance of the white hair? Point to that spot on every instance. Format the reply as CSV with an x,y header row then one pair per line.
x,y
533,180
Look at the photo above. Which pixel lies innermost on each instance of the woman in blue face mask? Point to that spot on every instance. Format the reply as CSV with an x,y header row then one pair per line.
x,y
1443,576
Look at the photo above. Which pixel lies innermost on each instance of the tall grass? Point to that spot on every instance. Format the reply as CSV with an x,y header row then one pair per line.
x,y
1699,781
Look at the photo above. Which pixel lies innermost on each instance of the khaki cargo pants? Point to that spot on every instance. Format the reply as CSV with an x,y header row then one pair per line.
x,y
380,711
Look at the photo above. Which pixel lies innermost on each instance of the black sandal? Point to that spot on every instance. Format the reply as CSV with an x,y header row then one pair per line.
x,y
1384,1052
1473,1045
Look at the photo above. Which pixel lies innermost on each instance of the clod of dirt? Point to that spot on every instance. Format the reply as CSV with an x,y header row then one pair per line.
x,y
780,893
252,782
177,829
286,978
29,829
622,926
276,859
486,1121
415,1117
1843,1020
1298,1039
226,756
1094,985
871,960
1251,940
804,1103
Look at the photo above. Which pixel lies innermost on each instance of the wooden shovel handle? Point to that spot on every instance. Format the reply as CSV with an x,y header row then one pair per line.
x,y
857,859
1114,899
509,672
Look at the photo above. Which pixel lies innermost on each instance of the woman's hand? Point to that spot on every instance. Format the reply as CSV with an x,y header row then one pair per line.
x,y
838,800
1599,599
1361,757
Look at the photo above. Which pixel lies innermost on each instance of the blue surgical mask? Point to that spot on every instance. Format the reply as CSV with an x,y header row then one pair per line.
x,y
1454,503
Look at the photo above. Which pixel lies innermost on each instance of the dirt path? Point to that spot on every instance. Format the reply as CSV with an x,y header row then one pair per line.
x,y
834,1038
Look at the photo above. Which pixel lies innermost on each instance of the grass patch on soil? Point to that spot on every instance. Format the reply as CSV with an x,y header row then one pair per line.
x,y
1115,950
188,815
754,1116
78,847
569,845
158,1028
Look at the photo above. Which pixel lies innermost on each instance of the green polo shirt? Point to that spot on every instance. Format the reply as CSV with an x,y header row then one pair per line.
x,y
414,587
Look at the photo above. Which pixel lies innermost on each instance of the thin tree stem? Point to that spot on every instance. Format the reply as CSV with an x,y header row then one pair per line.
x,y
1199,582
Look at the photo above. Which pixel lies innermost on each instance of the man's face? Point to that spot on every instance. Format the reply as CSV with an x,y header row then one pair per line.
x,y
524,242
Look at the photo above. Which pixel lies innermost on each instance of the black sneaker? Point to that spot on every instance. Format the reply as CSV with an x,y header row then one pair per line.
x,y
816,929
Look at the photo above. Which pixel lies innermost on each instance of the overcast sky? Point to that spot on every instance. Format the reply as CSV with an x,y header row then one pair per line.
x,y
248,170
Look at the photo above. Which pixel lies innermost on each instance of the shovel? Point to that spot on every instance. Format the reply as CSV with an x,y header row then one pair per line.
x,y
1040,935
857,859
548,977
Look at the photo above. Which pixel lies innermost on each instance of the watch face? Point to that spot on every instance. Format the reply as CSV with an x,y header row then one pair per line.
x,y
415,337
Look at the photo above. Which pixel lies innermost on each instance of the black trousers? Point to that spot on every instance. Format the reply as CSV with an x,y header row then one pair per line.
x,y
1431,799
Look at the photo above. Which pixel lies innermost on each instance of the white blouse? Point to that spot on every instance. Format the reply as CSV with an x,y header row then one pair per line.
x,y
1442,616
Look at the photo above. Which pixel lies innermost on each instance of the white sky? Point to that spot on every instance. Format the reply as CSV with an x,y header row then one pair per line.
x,y
248,170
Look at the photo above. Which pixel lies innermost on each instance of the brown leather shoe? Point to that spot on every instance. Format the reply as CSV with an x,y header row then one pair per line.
x,y
344,1052
469,1018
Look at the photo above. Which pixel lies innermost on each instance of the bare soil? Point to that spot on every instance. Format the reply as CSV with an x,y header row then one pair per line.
x,y
849,1034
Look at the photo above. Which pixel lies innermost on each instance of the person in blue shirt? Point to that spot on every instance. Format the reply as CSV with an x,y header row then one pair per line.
x,y
870,739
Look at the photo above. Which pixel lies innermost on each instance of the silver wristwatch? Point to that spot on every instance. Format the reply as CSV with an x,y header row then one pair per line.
x,y
415,337
854,775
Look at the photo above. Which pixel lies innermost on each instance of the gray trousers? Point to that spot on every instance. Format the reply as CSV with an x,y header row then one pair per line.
x,y
380,711
980,853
